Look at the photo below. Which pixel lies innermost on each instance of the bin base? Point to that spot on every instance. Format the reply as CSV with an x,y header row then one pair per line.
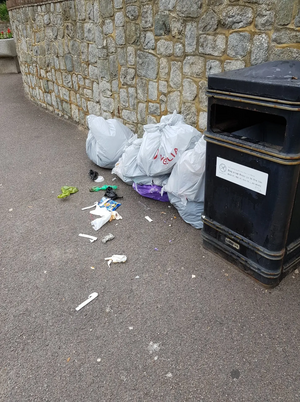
x,y
238,262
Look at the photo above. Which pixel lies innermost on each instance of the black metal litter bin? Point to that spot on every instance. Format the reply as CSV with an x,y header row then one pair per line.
x,y
252,195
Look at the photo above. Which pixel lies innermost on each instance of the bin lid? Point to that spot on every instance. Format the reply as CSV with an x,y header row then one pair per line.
x,y
275,79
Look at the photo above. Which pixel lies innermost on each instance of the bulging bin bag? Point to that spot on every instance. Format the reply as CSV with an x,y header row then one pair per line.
x,y
163,143
191,212
129,171
187,180
106,140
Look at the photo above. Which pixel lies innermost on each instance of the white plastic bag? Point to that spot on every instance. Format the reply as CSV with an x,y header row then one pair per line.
x,y
163,143
129,171
106,140
187,180
191,212
104,214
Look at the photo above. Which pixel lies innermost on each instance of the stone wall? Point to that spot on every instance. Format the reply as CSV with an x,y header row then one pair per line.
x,y
137,59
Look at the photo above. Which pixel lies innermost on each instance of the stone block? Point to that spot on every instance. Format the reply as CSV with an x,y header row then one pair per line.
x,y
123,97
189,91
208,22
167,5
132,98
193,66
141,113
231,65
265,17
129,115
178,50
93,53
148,40
214,45
213,67
89,34
133,33
163,86
190,37
103,69
161,25
108,27
164,47
142,89
189,8
235,17
173,102
127,76
131,55
119,19
238,44
147,16
154,108
202,121
152,90
284,12
69,62
260,49
175,75
202,94
177,28
132,12
147,65
120,36
106,8
284,36
189,113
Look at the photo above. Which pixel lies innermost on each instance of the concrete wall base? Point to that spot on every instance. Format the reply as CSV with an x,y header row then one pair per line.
x,y
9,65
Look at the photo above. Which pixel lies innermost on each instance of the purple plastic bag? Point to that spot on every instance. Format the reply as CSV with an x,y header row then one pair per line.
x,y
151,191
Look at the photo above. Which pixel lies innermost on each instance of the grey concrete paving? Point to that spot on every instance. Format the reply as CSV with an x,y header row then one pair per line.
x,y
220,335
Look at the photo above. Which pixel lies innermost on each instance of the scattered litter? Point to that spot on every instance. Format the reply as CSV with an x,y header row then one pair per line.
x,y
109,204
156,357
226,274
148,219
11,209
98,360
115,258
92,238
104,188
108,309
92,267
130,327
66,191
137,277
145,206
113,179
170,241
93,174
156,249
99,222
91,206
91,297
193,276
68,359
153,347
99,179
170,225
296,271
110,193
163,213
169,375
107,238
169,206
115,215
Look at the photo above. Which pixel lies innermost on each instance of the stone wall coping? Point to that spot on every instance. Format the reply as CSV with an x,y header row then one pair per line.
x,y
13,4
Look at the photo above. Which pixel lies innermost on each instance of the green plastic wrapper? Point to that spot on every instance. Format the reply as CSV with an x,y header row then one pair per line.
x,y
95,189
66,191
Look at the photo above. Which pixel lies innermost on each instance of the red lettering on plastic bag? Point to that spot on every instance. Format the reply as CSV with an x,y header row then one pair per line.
x,y
165,160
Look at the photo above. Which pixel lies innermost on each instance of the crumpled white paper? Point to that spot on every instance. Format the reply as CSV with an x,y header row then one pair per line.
x,y
115,258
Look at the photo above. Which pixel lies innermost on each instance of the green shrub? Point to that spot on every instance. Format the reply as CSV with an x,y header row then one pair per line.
x,y
3,13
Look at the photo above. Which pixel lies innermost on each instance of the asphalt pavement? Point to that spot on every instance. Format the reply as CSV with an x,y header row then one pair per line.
x,y
169,325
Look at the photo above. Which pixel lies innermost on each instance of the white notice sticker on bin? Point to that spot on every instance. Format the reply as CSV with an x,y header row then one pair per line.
x,y
241,175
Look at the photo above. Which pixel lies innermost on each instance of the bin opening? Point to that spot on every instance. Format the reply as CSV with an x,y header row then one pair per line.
x,y
264,129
